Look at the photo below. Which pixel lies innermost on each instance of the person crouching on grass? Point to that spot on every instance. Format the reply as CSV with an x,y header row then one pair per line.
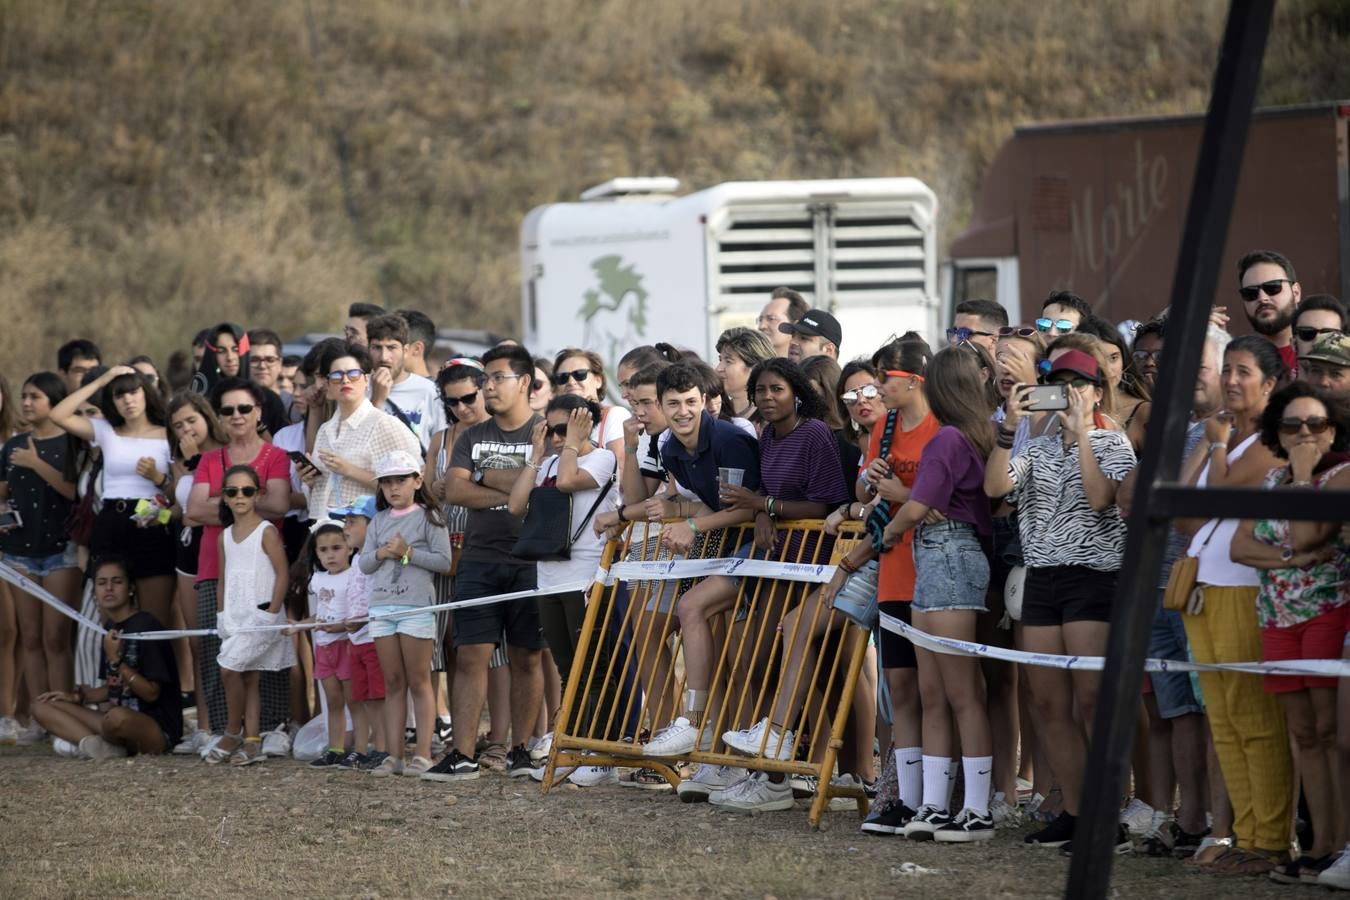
x,y
139,708
405,545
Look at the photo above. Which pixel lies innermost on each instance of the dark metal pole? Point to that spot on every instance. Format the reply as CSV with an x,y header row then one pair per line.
x,y
1198,266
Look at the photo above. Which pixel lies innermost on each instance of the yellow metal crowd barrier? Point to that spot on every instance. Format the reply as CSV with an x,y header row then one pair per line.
x,y
628,677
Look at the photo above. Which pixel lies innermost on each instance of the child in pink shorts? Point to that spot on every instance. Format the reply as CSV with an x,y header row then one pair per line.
x,y
367,682
329,586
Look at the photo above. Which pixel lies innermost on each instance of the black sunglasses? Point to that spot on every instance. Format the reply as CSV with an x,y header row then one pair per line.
x,y
1316,425
1010,330
578,375
236,491
1269,288
558,430
466,400
243,409
1308,334
958,335
1143,356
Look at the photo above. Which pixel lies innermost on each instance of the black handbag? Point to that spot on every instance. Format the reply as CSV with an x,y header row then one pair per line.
x,y
544,534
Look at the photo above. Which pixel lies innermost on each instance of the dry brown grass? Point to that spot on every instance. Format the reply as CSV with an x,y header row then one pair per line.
x,y
166,164
170,827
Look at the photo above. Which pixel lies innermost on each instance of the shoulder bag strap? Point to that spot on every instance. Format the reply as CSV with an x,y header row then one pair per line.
x,y
594,506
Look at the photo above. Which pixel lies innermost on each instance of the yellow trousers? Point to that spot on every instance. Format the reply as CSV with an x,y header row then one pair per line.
x,y
1247,723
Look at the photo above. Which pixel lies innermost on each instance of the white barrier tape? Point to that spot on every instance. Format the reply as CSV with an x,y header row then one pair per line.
x,y
670,569
13,577
1322,668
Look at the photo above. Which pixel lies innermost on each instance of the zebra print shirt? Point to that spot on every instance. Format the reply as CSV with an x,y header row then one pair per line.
x,y
1058,525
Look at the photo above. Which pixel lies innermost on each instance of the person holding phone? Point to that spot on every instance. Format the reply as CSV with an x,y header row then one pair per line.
x,y
1073,540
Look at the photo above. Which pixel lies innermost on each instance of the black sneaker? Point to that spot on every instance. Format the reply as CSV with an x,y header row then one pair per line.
x,y
889,817
1058,833
518,762
1123,843
968,827
443,730
352,760
925,822
329,759
1186,843
454,766
373,760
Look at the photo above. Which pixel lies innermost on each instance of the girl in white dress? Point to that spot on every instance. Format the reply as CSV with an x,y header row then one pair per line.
x,y
253,575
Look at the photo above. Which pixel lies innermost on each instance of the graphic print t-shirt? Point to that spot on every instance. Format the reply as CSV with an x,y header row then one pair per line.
x,y
489,534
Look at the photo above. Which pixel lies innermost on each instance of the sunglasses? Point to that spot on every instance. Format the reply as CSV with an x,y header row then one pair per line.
x,y
1045,326
1308,334
1016,330
866,392
577,375
900,373
1269,288
340,375
1316,425
243,409
1078,381
466,400
1146,356
558,430
233,492
957,335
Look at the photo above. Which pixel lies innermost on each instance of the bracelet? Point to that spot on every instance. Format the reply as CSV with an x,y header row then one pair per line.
x,y
620,509
768,508
1003,440
1010,432
847,565
1217,445
567,447
692,526
1300,484
132,679
534,466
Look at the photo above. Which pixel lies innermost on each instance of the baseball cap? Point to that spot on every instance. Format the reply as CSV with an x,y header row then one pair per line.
x,y
1330,348
816,323
361,506
1075,361
398,462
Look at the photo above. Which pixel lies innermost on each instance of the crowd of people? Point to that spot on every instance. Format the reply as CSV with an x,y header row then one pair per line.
x,y
310,512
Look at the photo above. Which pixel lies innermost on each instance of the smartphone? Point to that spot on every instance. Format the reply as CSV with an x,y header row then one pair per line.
x,y
301,459
1047,397
10,519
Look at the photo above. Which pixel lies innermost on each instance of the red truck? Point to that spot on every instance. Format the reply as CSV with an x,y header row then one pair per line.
x,y
1098,207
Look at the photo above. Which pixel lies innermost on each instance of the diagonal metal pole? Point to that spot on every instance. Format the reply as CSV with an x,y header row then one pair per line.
x,y
1198,265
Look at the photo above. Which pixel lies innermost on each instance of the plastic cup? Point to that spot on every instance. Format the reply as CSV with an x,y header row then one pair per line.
x,y
731,476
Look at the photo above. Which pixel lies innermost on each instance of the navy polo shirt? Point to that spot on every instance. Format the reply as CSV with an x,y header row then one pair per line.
x,y
720,445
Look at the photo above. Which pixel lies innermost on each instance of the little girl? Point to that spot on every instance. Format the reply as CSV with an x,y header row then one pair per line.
x,y
329,585
367,678
253,575
405,545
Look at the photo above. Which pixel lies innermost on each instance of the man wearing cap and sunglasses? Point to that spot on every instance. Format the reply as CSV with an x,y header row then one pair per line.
x,y
815,334
1270,295
1327,366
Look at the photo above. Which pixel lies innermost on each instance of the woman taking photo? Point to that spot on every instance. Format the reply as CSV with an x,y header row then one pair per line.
x,y
1304,570
138,708
582,372
37,481
134,444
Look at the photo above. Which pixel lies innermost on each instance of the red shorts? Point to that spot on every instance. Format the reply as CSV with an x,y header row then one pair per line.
x,y
1319,638
333,659
367,677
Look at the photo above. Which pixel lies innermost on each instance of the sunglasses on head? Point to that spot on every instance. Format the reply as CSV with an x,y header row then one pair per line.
x,y
339,375
1016,331
1316,425
558,430
1269,288
1308,334
957,335
866,392
243,409
466,400
232,492
1045,326
577,375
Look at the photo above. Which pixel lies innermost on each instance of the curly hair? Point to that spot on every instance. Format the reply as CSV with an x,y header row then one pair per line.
x,y
810,405
1337,414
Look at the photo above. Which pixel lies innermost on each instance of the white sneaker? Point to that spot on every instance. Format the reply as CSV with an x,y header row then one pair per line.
x,y
33,734
65,748
95,747
1136,816
9,732
210,744
680,738
756,794
539,748
1337,875
803,786
193,743
706,780
843,782
1001,812
749,741
593,776
276,743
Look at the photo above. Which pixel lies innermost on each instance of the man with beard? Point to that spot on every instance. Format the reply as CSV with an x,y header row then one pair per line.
x,y
1270,294
1326,366
413,400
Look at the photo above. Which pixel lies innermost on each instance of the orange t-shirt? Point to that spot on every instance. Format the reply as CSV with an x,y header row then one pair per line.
x,y
895,580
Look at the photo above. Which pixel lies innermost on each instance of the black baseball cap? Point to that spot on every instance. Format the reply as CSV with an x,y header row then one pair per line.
x,y
816,323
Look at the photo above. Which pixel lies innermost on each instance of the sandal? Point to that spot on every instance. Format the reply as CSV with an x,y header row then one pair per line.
x,y
1244,862
494,757
1210,851
249,753
645,779
218,754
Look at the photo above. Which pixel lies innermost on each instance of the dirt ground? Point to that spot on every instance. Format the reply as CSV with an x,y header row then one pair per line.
x,y
171,827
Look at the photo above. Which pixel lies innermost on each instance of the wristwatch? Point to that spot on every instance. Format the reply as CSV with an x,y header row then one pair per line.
x,y
477,476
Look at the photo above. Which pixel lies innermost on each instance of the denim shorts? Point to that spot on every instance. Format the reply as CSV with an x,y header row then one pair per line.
x,y
857,599
42,566
1174,692
418,625
951,568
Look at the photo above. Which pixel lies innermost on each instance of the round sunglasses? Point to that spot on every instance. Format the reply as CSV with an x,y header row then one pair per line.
x,y
866,392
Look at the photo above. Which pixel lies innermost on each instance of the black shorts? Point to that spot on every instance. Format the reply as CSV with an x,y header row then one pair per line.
x,y
150,552
1057,595
518,619
896,651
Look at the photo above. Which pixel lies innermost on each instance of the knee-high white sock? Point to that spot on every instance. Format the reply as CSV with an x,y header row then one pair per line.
x,y
909,773
977,770
935,782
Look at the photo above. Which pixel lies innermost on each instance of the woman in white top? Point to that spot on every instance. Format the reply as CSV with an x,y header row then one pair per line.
x,y
1250,739
135,447
582,372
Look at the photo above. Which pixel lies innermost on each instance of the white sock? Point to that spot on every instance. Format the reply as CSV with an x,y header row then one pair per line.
x,y
909,773
978,771
952,769
935,782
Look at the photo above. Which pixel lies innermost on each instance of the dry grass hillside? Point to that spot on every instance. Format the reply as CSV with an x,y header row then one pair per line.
x,y
165,164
